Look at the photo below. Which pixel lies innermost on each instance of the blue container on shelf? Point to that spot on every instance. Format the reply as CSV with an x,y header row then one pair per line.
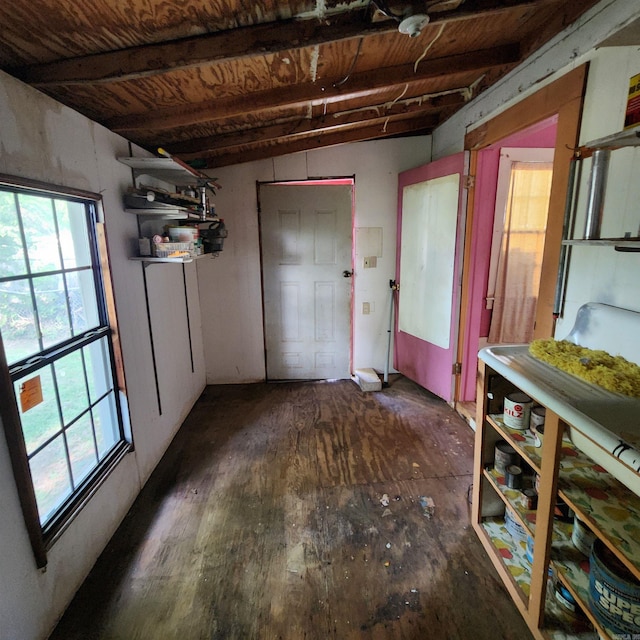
x,y
529,552
614,593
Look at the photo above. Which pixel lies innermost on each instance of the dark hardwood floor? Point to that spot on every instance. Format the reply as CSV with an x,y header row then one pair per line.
x,y
265,520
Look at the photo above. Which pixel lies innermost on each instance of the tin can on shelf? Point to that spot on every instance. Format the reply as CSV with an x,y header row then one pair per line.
x,y
517,410
536,424
614,592
537,416
503,456
567,601
517,531
582,537
513,476
529,499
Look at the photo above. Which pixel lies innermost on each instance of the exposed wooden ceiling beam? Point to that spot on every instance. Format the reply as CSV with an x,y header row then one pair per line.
x,y
359,84
375,114
372,132
222,46
146,60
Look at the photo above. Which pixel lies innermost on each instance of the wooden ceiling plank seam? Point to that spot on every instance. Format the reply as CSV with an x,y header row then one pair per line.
x,y
360,84
255,138
180,140
273,37
429,87
307,130
196,147
326,140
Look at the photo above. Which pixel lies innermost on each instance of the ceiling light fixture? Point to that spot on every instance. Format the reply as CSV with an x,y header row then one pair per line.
x,y
413,25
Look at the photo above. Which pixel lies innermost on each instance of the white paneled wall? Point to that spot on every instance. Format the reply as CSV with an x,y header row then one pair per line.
x,y
230,286
44,141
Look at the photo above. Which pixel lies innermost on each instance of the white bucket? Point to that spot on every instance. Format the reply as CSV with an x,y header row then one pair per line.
x,y
517,410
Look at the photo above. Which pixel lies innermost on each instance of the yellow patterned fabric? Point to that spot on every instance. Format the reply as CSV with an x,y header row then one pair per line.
x,y
613,373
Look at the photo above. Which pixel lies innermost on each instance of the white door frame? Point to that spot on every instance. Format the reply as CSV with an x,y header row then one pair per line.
x,y
336,181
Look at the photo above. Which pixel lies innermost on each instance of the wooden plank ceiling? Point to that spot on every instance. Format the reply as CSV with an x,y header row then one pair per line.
x,y
227,81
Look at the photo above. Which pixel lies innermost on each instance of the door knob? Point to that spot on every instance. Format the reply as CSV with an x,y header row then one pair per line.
x,y
347,273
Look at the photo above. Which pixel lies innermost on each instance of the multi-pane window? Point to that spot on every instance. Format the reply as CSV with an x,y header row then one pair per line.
x,y
57,341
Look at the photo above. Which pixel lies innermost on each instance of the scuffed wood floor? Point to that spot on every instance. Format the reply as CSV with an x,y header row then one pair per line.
x,y
264,520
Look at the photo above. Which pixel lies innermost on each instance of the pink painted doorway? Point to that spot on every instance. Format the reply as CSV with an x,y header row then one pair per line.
x,y
431,208
477,317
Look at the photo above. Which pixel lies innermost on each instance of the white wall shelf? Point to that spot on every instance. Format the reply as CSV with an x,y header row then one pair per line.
x,y
606,242
176,173
623,245
625,138
170,213
186,260
166,169
153,260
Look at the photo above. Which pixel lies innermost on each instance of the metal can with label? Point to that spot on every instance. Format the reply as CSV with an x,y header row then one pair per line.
x,y
517,410
503,456
538,414
513,476
529,499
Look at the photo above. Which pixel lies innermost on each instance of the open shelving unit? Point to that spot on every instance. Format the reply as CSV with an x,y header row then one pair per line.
x,y
606,506
174,174
597,185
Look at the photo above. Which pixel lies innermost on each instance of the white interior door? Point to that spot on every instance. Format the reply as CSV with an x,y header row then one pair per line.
x,y
306,250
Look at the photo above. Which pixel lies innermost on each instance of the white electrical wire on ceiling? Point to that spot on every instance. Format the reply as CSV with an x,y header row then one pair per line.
x,y
424,53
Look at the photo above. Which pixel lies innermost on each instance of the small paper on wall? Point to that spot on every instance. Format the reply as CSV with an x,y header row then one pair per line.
x,y
369,241
30,393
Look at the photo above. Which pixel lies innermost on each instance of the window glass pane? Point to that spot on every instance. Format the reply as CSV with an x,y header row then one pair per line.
x,y
50,291
106,423
42,421
82,449
50,478
71,386
72,227
98,368
17,321
82,300
52,309
12,260
40,233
